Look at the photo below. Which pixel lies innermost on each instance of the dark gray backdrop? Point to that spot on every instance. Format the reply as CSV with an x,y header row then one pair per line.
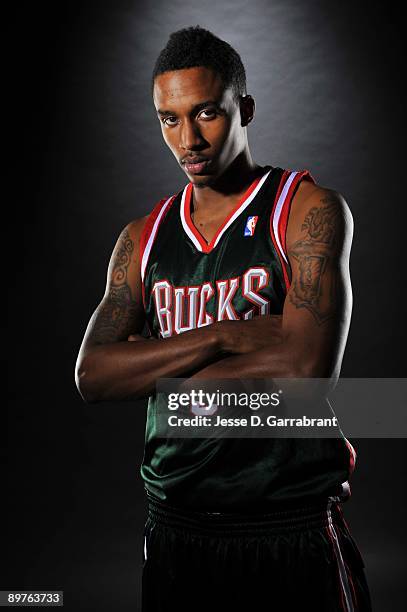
x,y
326,78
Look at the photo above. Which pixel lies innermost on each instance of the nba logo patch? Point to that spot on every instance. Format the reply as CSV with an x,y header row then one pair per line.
x,y
250,226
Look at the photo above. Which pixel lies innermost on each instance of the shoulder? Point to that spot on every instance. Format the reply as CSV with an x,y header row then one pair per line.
x,y
317,212
309,194
146,223
139,230
135,227
130,235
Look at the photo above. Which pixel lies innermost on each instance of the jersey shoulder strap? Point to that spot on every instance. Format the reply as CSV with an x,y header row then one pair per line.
x,y
154,220
280,213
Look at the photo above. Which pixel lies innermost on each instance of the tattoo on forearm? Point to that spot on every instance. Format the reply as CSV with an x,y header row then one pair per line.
x,y
118,310
312,254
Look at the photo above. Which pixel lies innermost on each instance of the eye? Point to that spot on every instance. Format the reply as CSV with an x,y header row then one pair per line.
x,y
208,111
167,122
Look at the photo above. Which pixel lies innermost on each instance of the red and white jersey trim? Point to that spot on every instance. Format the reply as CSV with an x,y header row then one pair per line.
x,y
191,230
280,214
148,237
278,211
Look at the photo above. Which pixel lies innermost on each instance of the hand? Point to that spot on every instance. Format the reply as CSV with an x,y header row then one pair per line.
x,y
250,335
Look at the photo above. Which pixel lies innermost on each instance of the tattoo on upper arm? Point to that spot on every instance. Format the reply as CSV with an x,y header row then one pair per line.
x,y
313,254
116,314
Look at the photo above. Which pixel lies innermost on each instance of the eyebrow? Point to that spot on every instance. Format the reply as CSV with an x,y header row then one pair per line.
x,y
195,109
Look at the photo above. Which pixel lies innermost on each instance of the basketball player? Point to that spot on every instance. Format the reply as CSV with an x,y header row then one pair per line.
x,y
244,273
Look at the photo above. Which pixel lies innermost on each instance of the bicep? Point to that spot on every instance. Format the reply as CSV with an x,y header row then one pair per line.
x,y
318,304
120,312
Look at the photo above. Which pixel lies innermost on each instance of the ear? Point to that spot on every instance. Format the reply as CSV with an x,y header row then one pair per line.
x,y
247,108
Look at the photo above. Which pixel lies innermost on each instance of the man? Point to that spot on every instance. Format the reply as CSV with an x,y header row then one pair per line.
x,y
242,274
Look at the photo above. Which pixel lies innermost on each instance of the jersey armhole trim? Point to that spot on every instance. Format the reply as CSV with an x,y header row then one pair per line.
x,y
149,233
280,214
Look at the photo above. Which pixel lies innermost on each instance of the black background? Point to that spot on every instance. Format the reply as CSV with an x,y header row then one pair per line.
x,y
89,157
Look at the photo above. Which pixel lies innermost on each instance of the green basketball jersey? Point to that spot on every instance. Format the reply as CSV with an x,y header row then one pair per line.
x,y
188,283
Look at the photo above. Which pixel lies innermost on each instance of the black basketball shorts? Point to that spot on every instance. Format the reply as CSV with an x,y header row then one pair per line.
x,y
292,560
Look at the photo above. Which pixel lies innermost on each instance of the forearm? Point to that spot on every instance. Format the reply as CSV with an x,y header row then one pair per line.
x,y
279,360
121,370
285,357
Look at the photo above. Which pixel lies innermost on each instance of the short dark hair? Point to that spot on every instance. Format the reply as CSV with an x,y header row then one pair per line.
x,y
195,46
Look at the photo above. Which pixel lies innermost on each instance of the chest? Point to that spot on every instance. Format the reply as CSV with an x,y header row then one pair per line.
x,y
208,225
237,276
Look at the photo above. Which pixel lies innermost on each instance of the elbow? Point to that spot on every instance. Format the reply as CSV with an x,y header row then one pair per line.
x,y
310,383
314,362
85,383
323,370
300,366
96,385
306,368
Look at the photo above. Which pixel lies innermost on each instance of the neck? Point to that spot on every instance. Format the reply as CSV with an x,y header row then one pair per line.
x,y
230,185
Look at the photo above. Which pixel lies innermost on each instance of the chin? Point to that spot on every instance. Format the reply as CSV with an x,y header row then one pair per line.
x,y
202,180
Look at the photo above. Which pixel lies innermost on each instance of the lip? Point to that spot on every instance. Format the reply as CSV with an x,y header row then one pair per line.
x,y
196,167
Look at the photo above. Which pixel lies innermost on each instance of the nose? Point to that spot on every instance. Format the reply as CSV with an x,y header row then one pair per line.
x,y
190,136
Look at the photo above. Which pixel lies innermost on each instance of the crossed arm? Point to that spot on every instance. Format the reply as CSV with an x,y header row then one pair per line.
x,y
317,309
307,341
